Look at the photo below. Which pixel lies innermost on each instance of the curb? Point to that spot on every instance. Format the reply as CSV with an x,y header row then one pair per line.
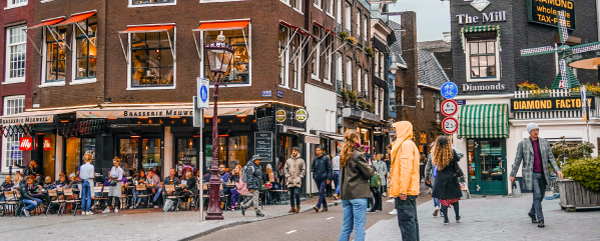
x,y
213,230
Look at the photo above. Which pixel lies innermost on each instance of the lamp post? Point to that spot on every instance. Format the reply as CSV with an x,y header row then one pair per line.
x,y
218,55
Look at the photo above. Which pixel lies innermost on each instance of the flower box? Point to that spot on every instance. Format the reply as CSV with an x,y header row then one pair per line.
x,y
574,196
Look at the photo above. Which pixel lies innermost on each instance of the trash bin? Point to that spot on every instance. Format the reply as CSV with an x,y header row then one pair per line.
x,y
516,189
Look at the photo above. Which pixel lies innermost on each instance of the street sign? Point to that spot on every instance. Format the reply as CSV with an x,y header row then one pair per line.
x,y
449,90
202,92
267,93
449,107
197,117
450,125
461,102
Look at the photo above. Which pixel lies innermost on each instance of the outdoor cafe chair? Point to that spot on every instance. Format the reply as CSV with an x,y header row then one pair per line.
x,y
147,196
74,201
173,196
52,193
14,203
96,200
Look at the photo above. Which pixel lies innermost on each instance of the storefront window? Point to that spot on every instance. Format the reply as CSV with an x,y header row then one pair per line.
x,y
239,72
491,161
152,60
150,154
73,155
129,153
49,145
365,136
471,159
86,51
238,150
55,54
187,154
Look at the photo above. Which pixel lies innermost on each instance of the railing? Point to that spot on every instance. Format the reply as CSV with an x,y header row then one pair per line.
x,y
552,114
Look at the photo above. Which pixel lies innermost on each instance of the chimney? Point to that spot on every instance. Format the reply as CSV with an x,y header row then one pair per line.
x,y
447,37
410,54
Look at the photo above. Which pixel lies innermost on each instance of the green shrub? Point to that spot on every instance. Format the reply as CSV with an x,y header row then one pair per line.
x,y
572,151
586,171
352,97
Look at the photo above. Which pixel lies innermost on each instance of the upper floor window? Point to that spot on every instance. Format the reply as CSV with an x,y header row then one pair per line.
x,y
315,62
376,69
290,58
239,71
328,6
338,71
338,13
365,30
436,102
85,48
152,62
150,2
55,53
16,3
381,66
349,74
318,4
296,4
358,31
348,19
482,55
15,54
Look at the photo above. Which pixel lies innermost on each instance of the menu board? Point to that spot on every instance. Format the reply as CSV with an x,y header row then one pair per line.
x,y
263,144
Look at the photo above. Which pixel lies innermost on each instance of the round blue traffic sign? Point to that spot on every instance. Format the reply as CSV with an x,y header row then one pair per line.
x,y
449,90
203,93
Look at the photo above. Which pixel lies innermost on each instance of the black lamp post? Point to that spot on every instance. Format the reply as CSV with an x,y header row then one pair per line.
x,y
218,55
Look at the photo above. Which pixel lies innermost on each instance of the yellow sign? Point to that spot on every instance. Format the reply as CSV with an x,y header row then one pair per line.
x,y
548,104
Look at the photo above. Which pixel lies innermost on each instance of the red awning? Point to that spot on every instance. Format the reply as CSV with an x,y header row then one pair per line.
x,y
48,22
323,27
222,25
78,18
300,30
151,28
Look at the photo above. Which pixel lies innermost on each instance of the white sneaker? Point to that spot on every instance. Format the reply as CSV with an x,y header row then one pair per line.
x,y
116,210
429,192
437,210
393,212
90,213
106,211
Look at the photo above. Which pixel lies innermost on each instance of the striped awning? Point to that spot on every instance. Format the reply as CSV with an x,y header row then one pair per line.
x,y
483,121
484,28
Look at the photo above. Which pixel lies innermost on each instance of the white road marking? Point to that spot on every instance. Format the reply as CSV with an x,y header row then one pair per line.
x,y
329,218
291,231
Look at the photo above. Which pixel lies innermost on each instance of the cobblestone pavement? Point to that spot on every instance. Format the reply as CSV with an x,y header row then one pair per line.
x,y
497,218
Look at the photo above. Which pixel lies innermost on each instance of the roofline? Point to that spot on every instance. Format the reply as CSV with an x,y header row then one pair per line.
x,y
429,86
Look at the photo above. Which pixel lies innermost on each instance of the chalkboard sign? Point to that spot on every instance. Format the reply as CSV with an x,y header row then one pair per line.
x,y
263,144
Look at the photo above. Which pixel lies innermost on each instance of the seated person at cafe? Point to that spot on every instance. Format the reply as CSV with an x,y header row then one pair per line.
x,y
223,175
271,178
32,169
153,186
35,189
170,180
17,181
140,179
190,185
48,184
62,181
5,187
235,178
26,198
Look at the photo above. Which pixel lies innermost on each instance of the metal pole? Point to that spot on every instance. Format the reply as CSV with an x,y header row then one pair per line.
x,y
201,156
214,211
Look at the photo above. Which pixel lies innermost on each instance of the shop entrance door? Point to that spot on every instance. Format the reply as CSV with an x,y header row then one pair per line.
x,y
138,153
487,166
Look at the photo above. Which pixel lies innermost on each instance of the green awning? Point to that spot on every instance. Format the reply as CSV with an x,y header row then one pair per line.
x,y
483,121
484,28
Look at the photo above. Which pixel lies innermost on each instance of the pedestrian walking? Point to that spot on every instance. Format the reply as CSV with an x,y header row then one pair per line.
x,y
380,169
404,185
335,165
535,153
252,175
322,173
294,170
355,174
86,173
115,176
447,188
431,174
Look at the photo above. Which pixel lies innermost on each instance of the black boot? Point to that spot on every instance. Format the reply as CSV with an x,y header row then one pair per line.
x,y
259,214
455,205
541,224
533,218
243,210
445,212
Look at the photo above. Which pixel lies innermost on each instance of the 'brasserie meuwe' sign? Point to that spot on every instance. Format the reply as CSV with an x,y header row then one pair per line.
x,y
548,104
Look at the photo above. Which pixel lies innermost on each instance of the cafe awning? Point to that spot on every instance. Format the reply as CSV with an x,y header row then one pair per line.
x,y
482,28
45,23
308,138
483,121
143,112
32,117
148,29
223,25
75,19
303,43
336,137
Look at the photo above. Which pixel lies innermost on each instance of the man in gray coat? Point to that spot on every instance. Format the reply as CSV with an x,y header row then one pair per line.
x,y
535,153
294,170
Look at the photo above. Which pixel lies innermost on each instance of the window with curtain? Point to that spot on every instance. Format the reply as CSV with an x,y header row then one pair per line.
x,y
151,59
16,49
239,72
86,51
327,58
55,53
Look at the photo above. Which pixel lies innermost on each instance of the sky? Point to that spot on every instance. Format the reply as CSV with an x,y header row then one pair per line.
x,y
433,17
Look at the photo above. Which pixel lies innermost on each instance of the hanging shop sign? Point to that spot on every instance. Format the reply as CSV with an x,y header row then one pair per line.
x,y
544,12
280,115
263,143
26,144
450,125
28,120
546,104
449,107
471,87
301,115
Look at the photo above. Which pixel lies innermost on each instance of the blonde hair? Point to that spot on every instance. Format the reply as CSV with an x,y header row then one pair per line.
x,y
118,160
442,154
349,146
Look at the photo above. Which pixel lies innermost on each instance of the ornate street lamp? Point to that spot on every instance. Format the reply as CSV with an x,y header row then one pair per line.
x,y
219,56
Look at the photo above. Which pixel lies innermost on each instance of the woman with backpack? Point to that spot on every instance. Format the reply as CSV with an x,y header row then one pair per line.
x,y
446,187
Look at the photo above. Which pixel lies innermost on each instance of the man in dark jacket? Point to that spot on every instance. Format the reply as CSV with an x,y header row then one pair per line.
x,y
32,169
252,175
322,173
27,199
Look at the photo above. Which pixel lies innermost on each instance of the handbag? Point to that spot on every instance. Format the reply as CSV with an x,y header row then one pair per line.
x,y
168,205
113,183
375,181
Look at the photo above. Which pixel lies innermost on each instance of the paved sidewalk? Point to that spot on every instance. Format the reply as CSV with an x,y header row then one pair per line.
x,y
496,218
140,225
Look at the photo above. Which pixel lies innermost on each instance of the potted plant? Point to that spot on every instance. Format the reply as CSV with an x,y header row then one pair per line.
x,y
370,51
352,97
360,45
581,186
343,35
541,93
344,95
352,40
526,86
371,107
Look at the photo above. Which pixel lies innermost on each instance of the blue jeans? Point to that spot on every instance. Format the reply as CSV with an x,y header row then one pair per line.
x,y
436,203
31,204
539,187
336,179
86,196
355,217
137,200
322,185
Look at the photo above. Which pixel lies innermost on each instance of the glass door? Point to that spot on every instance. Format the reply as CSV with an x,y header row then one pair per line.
x,y
487,166
139,153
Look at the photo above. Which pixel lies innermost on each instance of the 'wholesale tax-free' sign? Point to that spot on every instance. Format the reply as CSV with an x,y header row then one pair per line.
x,y
544,12
546,104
